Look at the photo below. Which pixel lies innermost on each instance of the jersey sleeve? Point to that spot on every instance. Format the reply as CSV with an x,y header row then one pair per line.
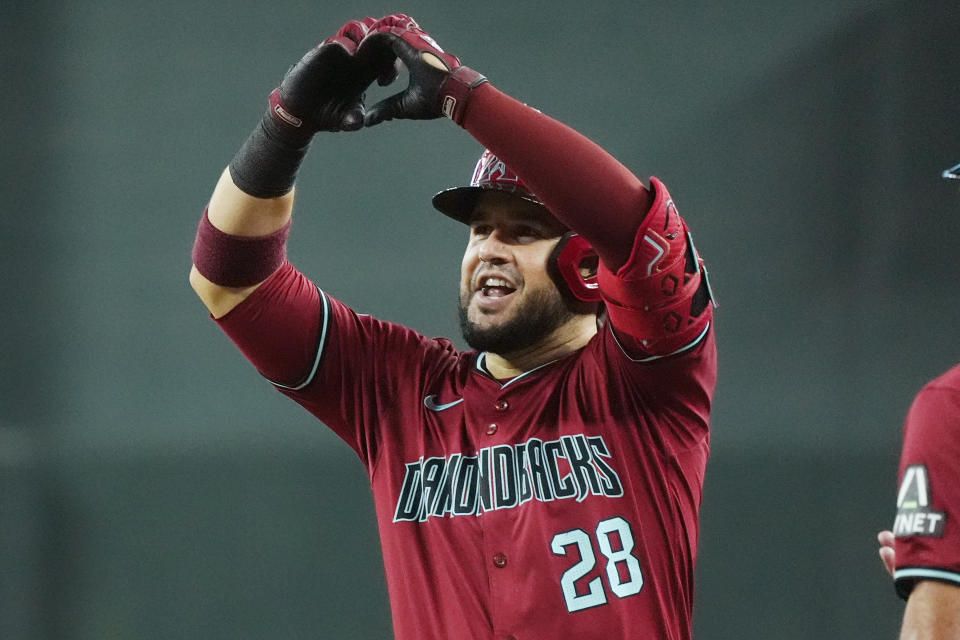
x,y
927,524
673,394
343,367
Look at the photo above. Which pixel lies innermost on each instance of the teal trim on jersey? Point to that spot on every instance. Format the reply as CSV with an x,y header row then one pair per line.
x,y
920,572
482,368
479,364
526,373
694,343
323,341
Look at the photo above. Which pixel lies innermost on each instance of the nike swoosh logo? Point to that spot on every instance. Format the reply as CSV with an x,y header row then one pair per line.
x,y
430,402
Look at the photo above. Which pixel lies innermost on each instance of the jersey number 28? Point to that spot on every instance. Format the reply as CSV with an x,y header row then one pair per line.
x,y
623,569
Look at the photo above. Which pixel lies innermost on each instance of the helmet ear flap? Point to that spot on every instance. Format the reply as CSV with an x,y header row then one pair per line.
x,y
573,266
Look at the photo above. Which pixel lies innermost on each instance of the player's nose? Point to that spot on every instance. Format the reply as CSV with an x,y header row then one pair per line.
x,y
493,249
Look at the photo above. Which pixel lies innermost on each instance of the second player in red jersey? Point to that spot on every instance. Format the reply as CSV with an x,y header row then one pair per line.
x,y
926,530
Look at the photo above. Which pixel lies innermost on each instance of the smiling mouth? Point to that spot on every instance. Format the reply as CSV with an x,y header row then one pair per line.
x,y
495,288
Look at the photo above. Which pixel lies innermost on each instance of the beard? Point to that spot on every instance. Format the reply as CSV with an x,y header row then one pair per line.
x,y
536,317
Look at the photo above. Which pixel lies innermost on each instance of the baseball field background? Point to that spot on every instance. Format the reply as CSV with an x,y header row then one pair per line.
x,y
153,486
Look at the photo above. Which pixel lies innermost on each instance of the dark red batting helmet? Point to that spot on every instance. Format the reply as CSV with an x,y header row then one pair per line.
x,y
572,264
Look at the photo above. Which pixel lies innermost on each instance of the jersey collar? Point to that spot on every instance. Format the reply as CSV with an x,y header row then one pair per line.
x,y
481,366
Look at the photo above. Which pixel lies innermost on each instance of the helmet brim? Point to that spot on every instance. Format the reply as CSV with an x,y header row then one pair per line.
x,y
459,203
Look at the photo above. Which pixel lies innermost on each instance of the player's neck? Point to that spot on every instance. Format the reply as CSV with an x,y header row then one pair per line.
x,y
566,339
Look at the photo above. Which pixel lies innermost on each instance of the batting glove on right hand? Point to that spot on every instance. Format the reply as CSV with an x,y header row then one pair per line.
x,y
439,84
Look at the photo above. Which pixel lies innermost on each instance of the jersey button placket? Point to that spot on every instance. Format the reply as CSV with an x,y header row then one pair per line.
x,y
502,585
500,406
494,523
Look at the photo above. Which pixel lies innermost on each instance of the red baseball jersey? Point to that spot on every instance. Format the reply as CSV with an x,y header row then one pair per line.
x,y
562,503
928,502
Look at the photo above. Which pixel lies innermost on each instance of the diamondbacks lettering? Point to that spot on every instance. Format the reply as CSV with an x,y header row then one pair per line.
x,y
507,476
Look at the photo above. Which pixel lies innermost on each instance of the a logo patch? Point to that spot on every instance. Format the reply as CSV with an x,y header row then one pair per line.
x,y
914,515
449,106
430,402
286,116
490,168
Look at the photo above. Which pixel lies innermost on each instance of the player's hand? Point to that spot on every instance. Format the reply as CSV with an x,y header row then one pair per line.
x,y
439,84
887,551
324,90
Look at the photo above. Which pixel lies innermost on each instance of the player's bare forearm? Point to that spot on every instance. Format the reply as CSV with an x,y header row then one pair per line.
x,y
242,236
237,213
932,613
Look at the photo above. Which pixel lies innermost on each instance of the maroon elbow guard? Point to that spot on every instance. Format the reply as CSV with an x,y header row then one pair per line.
x,y
237,261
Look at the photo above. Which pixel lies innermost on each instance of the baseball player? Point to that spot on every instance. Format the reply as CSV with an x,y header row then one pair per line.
x,y
925,563
923,550
546,483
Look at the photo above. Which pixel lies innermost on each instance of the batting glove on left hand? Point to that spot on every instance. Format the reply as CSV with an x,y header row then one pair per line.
x,y
324,90
439,84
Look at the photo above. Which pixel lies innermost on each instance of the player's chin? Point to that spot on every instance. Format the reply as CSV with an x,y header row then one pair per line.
x,y
486,306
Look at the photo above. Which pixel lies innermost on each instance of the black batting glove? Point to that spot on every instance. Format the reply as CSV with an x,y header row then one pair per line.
x,y
322,92
439,84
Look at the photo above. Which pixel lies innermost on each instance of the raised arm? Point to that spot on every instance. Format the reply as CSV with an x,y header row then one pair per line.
x,y
580,183
651,278
250,221
242,235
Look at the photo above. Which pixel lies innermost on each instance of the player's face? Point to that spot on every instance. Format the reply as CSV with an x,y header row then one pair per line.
x,y
508,302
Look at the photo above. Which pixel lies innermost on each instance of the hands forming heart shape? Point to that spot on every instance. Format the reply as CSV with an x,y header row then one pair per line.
x,y
325,90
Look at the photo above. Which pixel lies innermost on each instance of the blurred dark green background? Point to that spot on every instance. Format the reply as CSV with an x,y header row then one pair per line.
x,y
152,486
